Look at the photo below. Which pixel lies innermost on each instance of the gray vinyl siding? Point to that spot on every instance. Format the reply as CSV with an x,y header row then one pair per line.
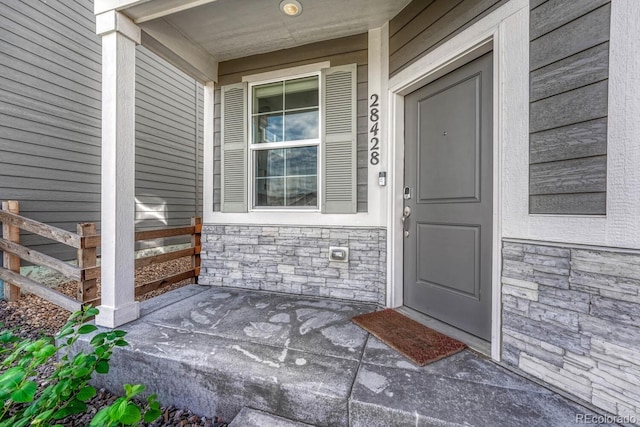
x,y
347,50
569,63
425,24
50,80
50,118
167,142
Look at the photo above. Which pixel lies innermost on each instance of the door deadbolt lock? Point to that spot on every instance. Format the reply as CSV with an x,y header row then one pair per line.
x,y
406,193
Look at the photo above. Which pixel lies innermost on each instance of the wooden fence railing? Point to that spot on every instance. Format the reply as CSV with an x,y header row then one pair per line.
x,y
195,231
86,241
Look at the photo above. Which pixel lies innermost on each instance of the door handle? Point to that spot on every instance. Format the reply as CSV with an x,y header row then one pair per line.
x,y
406,213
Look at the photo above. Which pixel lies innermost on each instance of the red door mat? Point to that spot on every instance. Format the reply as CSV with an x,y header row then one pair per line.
x,y
416,342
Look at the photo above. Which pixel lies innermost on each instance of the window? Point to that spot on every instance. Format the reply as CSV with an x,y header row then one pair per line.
x,y
285,142
289,143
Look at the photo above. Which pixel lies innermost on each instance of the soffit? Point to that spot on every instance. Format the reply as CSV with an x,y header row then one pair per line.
x,y
229,29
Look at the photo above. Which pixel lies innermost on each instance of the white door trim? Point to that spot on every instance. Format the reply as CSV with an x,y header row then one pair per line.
x,y
506,31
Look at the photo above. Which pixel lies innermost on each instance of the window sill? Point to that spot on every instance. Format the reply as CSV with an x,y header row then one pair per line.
x,y
281,210
315,218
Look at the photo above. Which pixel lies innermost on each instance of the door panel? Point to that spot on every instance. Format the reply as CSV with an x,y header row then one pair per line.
x,y
448,165
451,257
449,171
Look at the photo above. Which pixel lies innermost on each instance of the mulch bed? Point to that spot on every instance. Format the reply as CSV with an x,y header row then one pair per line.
x,y
32,317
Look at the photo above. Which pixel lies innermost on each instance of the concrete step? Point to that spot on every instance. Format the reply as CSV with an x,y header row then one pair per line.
x,y
253,418
460,390
219,350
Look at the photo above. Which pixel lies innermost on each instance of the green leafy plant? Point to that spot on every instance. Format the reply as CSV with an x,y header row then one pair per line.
x,y
67,389
7,337
124,412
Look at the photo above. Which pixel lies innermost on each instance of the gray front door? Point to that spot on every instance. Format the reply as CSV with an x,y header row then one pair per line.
x,y
448,172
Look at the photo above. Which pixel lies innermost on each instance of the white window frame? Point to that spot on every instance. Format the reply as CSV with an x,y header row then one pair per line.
x,y
376,216
251,206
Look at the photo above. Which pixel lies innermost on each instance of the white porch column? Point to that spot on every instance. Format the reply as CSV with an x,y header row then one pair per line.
x,y
119,38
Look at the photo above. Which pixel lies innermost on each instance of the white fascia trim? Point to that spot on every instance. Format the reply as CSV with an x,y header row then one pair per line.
x,y
146,10
620,227
169,9
101,6
207,147
112,21
506,29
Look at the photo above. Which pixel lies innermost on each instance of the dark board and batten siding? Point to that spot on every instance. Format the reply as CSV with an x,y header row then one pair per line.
x,y
347,50
425,24
569,64
50,121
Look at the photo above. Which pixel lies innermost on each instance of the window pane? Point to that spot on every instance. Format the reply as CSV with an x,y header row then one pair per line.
x,y
286,177
301,93
267,128
302,161
270,192
269,163
302,191
267,98
286,111
301,125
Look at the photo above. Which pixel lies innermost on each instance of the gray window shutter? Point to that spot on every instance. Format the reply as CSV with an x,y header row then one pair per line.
x,y
339,139
234,148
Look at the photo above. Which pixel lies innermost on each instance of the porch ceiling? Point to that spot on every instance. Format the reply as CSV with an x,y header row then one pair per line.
x,y
229,29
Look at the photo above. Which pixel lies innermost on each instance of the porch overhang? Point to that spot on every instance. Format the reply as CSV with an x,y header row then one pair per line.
x,y
159,36
194,36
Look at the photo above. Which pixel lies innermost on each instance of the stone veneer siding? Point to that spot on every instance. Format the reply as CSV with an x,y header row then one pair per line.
x,y
571,317
295,260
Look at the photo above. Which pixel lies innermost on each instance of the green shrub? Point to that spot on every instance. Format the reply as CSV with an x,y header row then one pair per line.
x,y
67,389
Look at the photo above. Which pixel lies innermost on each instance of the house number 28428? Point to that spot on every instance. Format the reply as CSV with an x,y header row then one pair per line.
x,y
374,141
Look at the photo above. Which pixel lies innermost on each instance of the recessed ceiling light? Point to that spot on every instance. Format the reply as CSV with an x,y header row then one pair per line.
x,y
291,7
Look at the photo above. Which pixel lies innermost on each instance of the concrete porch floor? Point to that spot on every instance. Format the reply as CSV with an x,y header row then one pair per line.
x,y
219,350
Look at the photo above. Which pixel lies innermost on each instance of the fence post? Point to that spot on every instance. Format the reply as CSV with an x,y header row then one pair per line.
x,y
11,262
87,289
196,243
